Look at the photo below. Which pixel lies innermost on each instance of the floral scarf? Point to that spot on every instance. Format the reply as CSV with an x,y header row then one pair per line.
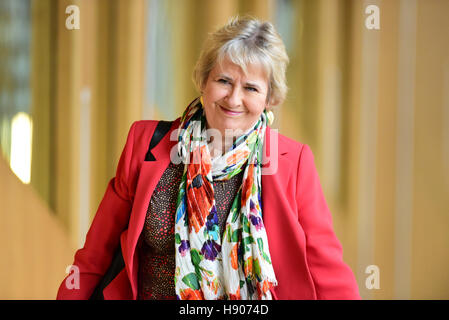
x,y
239,265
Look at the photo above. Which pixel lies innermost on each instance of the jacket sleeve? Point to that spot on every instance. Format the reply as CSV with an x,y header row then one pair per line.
x,y
333,279
103,237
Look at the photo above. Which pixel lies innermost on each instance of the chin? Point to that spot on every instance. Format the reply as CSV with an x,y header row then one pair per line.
x,y
230,125
224,124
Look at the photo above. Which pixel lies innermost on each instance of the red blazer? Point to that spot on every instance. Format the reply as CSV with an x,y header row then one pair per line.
x,y
306,255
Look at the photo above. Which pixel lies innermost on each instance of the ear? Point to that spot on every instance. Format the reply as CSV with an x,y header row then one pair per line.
x,y
273,103
268,107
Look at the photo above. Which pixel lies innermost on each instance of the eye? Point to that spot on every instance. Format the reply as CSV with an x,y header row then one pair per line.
x,y
251,89
224,81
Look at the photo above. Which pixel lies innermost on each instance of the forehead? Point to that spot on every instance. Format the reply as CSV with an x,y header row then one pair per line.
x,y
254,71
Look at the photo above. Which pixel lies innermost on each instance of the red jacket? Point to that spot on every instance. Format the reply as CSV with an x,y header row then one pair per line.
x,y
306,255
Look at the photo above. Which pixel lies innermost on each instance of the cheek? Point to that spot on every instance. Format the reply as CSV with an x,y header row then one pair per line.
x,y
256,106
213,92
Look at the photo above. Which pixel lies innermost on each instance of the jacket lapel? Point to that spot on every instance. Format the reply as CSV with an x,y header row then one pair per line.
x,y
150,174
274,182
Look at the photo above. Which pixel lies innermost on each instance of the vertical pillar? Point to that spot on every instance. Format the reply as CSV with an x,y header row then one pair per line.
x,y
386,149
128,75
101,164
260,9
330,71
353,142
42,93
216,13
67,120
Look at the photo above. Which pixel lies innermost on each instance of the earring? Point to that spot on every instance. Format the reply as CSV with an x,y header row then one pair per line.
x,y
201,100
270,117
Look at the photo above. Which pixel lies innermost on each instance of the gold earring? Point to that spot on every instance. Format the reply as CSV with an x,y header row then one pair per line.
x,y
270,117
201,100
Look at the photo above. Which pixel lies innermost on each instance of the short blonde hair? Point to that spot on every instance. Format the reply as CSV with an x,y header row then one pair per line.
x,y
245,40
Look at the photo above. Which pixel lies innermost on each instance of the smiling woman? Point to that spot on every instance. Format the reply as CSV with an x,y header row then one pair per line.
x,y
233,100
218,227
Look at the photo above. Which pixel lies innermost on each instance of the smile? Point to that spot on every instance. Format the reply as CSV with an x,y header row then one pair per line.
x,y
228,112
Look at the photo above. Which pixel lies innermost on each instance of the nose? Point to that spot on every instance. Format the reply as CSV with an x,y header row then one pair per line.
x,y
234,97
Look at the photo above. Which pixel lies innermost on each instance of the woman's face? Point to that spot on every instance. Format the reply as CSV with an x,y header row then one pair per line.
x,y
233,100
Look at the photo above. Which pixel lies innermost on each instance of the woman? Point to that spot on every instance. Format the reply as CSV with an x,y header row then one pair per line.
x,y
229,209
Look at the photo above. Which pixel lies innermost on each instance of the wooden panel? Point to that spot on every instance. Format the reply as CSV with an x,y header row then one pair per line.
x,y
430,259
260,9
128,77
386,155
66,117
35,246
42,73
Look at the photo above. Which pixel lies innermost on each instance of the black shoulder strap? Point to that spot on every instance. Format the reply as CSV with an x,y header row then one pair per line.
x,y
116,266
161,130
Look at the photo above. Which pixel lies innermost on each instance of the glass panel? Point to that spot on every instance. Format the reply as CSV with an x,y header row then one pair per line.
x,y
159,71
15,120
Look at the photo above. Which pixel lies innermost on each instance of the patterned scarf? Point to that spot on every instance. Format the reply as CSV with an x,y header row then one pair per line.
x,y
239,265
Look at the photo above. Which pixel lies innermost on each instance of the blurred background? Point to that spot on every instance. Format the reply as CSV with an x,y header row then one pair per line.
x,y
373,104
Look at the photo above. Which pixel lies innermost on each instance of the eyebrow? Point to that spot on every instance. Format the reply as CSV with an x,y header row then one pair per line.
x,y
250,83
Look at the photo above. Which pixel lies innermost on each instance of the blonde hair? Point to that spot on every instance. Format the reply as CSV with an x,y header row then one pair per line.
x,y
246,40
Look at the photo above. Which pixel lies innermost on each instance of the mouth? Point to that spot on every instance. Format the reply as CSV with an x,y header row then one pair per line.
x,y
229,112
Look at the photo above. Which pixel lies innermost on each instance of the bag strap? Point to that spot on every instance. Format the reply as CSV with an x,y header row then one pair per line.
x,y
161,130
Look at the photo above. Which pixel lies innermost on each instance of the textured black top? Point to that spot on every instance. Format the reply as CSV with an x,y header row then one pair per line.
x,y
157,252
